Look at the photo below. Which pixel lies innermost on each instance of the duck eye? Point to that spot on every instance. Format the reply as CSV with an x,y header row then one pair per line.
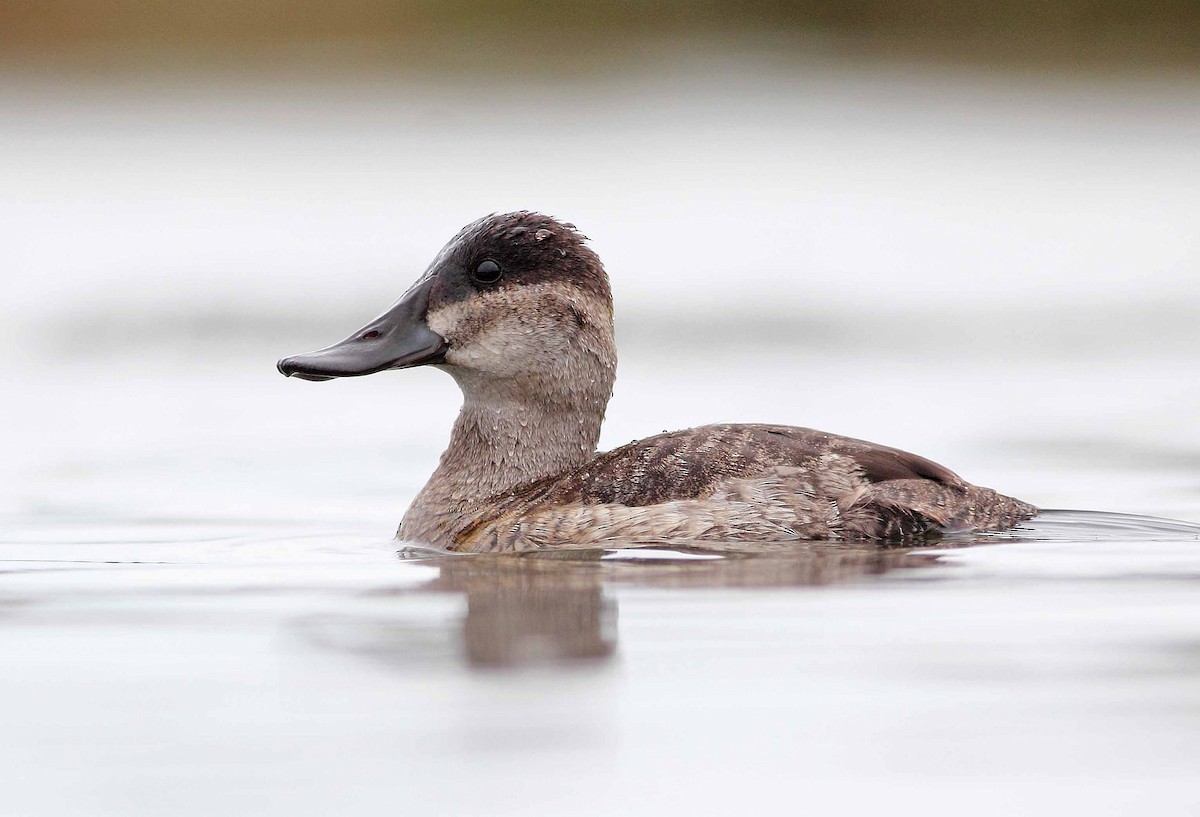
x,y
488,272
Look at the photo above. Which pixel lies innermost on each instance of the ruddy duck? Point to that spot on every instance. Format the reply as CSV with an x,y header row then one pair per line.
x,y
517,309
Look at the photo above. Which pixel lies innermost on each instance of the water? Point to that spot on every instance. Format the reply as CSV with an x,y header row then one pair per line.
x,y
178,667
203,611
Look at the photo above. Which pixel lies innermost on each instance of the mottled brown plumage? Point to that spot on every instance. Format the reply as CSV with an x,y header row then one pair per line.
x,y
722,482
518,310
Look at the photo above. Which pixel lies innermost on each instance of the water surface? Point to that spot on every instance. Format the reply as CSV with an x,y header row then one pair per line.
x,y
202,610
186,667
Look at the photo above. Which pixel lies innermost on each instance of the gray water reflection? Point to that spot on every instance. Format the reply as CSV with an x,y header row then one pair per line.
x,y
561,607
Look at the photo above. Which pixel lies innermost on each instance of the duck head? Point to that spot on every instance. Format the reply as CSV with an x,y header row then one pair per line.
x,y
515,304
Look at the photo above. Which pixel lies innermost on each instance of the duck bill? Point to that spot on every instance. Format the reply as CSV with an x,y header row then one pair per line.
x,y
398,339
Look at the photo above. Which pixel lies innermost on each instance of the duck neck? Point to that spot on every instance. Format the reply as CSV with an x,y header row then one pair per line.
x,y
507,434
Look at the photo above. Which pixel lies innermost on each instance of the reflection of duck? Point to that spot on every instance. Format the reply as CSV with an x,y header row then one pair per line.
x,y
518,310
519,612
562,607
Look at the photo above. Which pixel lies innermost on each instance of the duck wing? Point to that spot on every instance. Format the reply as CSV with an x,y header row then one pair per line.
x,y
692,463
740,483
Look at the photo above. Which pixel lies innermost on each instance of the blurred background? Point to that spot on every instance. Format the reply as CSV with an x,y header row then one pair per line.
x,y
964,228
967,229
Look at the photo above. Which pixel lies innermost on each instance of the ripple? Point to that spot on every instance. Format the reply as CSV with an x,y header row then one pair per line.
x,y
1085,526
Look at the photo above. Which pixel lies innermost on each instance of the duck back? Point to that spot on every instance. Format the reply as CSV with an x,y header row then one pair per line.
x,y
723,482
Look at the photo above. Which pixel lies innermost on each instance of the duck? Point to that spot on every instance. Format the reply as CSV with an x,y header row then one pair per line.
x,y
517,309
